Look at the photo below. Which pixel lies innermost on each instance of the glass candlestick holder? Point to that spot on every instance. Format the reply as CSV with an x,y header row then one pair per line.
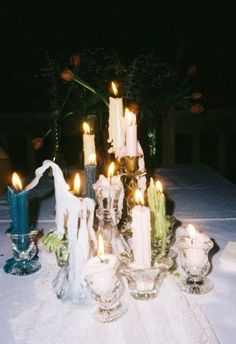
x,y
106,289
25,259
195,264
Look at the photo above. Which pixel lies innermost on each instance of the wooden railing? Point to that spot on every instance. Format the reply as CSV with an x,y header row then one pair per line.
x,y
220,123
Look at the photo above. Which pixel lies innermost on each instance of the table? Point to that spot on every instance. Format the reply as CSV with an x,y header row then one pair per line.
x,y
201,197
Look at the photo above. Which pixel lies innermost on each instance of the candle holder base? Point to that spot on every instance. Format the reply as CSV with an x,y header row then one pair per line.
x,y
201,287
25,259
22,267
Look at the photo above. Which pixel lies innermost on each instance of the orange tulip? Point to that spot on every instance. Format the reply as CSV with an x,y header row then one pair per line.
x,y
197,109
191,69
37,143
75,60
67,75
196,95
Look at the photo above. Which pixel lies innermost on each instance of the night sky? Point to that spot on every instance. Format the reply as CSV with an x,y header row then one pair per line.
x,y
204,29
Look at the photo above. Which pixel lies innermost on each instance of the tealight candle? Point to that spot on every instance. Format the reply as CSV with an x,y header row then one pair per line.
x,y
141,229
101,270
88,143
18,204
116,129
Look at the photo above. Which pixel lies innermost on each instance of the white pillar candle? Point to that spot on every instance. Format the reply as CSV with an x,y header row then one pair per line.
x,y
141,239
131,133
116,129
88,143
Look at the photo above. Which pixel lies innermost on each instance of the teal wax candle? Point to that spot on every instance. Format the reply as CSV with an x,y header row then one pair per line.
x,y
18,208
90,179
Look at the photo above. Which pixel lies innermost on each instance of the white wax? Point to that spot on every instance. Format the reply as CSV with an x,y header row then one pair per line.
x,y
89,147
131,140
100,271
196,259
116,128
141,238
145,285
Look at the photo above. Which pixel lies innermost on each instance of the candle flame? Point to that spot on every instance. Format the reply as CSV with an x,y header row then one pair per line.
x,y
16,181
114,88
128,116
86,128
159,186
100,245
92,159
67,187
192,231
77,183
111,169
139,197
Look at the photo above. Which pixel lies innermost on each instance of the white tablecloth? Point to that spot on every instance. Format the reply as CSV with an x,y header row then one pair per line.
x,y
29,306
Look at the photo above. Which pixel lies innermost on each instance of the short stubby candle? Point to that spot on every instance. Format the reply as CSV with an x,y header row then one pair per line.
x,y
18,207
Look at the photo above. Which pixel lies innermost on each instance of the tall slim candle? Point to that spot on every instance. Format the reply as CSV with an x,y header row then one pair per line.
x,y
18,207
116,128
88,143
141,229
131,133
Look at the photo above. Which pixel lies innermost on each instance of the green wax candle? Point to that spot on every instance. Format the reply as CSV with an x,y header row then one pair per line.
x,y
18,208
157,205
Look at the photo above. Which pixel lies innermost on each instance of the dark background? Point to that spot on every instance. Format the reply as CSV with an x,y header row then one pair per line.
x,y
205,30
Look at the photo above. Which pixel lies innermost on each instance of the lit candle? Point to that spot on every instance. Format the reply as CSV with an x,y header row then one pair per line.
x,y
111,170
130,133
90,176
141,229
157,204
101,270
18,204
116,128
194,254
88,143
76,185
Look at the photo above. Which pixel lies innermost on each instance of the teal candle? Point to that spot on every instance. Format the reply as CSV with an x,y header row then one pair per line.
x,y
90,179
18,208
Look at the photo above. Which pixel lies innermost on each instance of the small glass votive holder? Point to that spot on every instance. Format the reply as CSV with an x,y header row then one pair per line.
x,y
195,263
25,259
144,284
106,289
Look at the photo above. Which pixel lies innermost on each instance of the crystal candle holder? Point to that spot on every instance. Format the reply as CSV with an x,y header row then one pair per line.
x,y
144,284
25,259
195,263
107,289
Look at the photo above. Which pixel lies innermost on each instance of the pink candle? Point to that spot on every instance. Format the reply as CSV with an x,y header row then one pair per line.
x,y
131,133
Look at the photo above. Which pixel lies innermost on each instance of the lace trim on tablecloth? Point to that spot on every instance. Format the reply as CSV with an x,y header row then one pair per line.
x,y
169,319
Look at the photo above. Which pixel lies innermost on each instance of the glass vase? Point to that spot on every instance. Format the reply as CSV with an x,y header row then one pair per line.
x,y
25,259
